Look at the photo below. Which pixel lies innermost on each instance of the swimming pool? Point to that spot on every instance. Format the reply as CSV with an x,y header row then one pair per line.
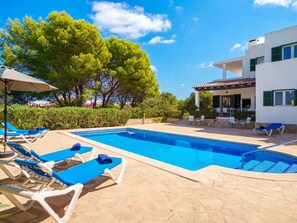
x,y
193,153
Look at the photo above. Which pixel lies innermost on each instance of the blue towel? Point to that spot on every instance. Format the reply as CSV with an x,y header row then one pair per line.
x,y
75,147
41,128
33,131
104,159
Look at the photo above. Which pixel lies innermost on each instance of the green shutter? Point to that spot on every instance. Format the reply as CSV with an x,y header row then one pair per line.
x,y
276,53
237,100
295,97
216,101
268,98
253,63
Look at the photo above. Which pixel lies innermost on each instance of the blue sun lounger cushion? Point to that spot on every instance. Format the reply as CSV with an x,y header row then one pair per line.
x,y
260,128
104,159
33,131
41,128
76,147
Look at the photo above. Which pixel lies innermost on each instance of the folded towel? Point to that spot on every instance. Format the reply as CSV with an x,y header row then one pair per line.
x,y
75,147
104,159
41,128
33,131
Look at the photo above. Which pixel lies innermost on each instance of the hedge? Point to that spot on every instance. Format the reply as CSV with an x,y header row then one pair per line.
x,y
24,117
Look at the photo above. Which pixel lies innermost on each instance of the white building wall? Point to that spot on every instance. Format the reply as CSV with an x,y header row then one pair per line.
x,y
279,75
278,38
246,93
253,52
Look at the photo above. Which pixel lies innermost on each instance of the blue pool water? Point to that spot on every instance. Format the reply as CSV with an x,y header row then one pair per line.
x,y
193,153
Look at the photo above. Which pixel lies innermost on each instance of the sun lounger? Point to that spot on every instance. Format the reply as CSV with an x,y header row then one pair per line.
x,y
12,128
25,152
270,128
50,183
28,137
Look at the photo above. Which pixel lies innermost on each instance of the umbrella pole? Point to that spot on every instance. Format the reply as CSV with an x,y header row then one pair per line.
x,y
5,153
5,115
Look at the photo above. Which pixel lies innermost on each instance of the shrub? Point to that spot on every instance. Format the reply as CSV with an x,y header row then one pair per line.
x,y
244,114
65,118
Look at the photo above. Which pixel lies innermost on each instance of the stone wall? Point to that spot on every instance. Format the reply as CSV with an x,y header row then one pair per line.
x,y
225,123
140,121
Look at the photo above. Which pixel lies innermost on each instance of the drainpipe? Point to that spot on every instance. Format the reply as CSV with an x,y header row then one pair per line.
x,y
197,99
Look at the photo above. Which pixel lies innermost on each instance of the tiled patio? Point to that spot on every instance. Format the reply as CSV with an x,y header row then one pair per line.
x,y
152,194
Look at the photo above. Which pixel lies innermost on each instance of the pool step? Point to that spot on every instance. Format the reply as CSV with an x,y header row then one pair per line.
x,y
278,167
262,166
269,167
249,165
291,169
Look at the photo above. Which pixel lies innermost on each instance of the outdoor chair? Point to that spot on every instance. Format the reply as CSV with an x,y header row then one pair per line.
x,y
25,152
12,128
49,183
191,119
225,111
218,112
28,137
232,121
270,128
247,121
201,120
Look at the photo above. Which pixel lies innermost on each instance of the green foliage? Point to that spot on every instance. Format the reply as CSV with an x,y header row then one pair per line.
x,y
188,105
175,114
65,118
128,76
63,51
240,115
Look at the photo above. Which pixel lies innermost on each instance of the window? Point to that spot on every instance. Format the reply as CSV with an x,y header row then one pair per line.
x,y
260,60
246,103
226,101
285,97
289,52
254,62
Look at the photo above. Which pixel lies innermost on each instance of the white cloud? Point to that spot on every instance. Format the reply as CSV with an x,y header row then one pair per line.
x,y
182,85
294,5
238,46
235,46
204,65
154,68
160,39
283,3
131,22
195,19
179,9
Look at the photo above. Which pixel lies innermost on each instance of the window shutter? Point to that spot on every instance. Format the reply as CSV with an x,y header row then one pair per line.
x,y
295,97
276,54
253,63
216,101
237,100
268,98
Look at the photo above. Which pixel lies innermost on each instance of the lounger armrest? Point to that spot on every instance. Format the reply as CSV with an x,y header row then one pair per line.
x,y
50,164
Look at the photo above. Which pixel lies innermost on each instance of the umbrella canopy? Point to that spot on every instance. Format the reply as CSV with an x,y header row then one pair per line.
x,y
12,80
17,81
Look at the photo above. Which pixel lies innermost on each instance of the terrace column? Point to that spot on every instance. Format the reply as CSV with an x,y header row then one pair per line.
x,y
197,99
224,71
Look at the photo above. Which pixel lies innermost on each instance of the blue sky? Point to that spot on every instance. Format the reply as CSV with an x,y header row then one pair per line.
x,y
182,38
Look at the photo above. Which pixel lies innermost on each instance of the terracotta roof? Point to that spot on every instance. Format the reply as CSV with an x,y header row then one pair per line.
x,y
227,84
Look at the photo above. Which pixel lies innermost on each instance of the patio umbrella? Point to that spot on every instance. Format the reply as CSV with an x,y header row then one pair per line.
x,y
12,80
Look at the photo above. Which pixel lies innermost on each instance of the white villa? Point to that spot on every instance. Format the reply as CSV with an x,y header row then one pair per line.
x,y
267,83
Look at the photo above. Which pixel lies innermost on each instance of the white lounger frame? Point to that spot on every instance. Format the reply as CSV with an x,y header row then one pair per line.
x,y
4,163
42,192
269,133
